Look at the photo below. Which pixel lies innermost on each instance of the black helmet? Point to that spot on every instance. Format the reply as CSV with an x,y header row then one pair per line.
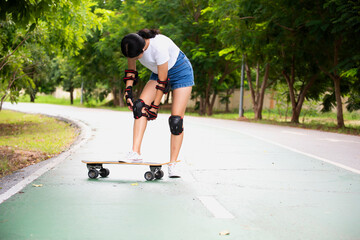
x,y
132,45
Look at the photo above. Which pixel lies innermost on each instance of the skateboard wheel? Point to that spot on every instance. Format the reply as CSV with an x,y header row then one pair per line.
x,y
104,172
149,176
159,174
93,173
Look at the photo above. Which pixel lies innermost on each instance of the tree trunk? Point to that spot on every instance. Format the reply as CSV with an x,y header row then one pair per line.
x,y
207,93
228,94
212,103
2,101
71,96
121,98
116,98
340,116
257,91
32,96
262,92
252,90
295,116
209,111
118,95
258,113
290,82
202,107
296,105
336,79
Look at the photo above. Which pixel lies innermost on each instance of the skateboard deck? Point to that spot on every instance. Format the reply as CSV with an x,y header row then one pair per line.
x,y
123,162
96,168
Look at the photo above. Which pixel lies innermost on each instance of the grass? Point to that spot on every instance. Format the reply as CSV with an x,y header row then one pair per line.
x,y
49,99
26,139
315,120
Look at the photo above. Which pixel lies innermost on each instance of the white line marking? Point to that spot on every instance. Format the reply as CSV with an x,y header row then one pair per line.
x,y
337,140
215,207
292,149
296,133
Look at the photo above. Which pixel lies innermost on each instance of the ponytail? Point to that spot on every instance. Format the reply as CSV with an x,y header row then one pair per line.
x,y
148,33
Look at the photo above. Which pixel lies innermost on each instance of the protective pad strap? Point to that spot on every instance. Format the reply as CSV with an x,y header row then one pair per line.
x,y
166,88
137,109
176,125
135,79
154,106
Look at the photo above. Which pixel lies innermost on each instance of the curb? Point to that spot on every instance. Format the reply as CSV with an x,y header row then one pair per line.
x,y
14,183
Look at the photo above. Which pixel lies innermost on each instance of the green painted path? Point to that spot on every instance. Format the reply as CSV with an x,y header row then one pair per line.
x,y
237,177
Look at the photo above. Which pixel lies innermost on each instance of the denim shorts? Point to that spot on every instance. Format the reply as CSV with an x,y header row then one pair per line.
x,y
181,74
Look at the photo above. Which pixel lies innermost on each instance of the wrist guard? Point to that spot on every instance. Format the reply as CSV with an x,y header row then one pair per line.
x,y
129,95
151,115
135,79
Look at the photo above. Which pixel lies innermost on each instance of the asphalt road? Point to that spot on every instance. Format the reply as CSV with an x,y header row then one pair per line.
x,y
251,181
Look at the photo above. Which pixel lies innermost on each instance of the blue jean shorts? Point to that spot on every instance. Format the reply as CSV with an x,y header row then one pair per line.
x,y
181,74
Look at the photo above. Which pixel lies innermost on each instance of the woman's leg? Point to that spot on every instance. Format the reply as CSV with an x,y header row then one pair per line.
x,y
147,95
180,99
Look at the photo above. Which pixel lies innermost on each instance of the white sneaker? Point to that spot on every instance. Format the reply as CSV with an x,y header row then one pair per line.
x,y
173,170
133,157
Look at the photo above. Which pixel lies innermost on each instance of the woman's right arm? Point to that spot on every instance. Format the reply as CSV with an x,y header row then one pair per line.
x,y
131,66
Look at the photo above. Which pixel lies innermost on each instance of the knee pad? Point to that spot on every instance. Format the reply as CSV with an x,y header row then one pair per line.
x,y
176,125
137,108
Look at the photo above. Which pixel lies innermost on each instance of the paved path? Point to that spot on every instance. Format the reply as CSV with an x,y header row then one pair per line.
x,y
254,181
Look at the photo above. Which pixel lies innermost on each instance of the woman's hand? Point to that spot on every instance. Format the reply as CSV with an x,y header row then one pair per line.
x,y
129,97
129,104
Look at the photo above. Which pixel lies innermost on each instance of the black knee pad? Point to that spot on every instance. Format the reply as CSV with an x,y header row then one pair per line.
x,y
137,108
176,125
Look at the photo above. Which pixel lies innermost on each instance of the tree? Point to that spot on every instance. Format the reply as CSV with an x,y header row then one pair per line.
x,y
56,26
13,76
12,80
335,29
191,28
101,62
295,49
243,30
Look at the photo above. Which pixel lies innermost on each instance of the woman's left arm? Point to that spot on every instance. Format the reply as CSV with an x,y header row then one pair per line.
x,y
162,76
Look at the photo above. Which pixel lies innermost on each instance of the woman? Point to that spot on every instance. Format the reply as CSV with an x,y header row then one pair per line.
x,y
170,69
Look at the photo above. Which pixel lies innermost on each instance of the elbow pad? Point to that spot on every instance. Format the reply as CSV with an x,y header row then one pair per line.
x,y
135,79
164,89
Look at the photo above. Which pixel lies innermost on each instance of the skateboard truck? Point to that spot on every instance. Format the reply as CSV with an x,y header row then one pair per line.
x,y
154,173
97,169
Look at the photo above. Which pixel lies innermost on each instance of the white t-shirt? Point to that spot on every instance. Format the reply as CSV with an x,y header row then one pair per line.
x,y
161,50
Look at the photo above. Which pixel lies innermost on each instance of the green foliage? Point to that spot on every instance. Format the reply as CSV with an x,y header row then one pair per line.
x,y
74,42
33,32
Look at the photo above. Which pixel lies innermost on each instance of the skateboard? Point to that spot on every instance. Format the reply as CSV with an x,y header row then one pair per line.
x,y
96,169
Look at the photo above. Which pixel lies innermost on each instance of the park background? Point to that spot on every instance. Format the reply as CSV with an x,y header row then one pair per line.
x,y
301,58
272,182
